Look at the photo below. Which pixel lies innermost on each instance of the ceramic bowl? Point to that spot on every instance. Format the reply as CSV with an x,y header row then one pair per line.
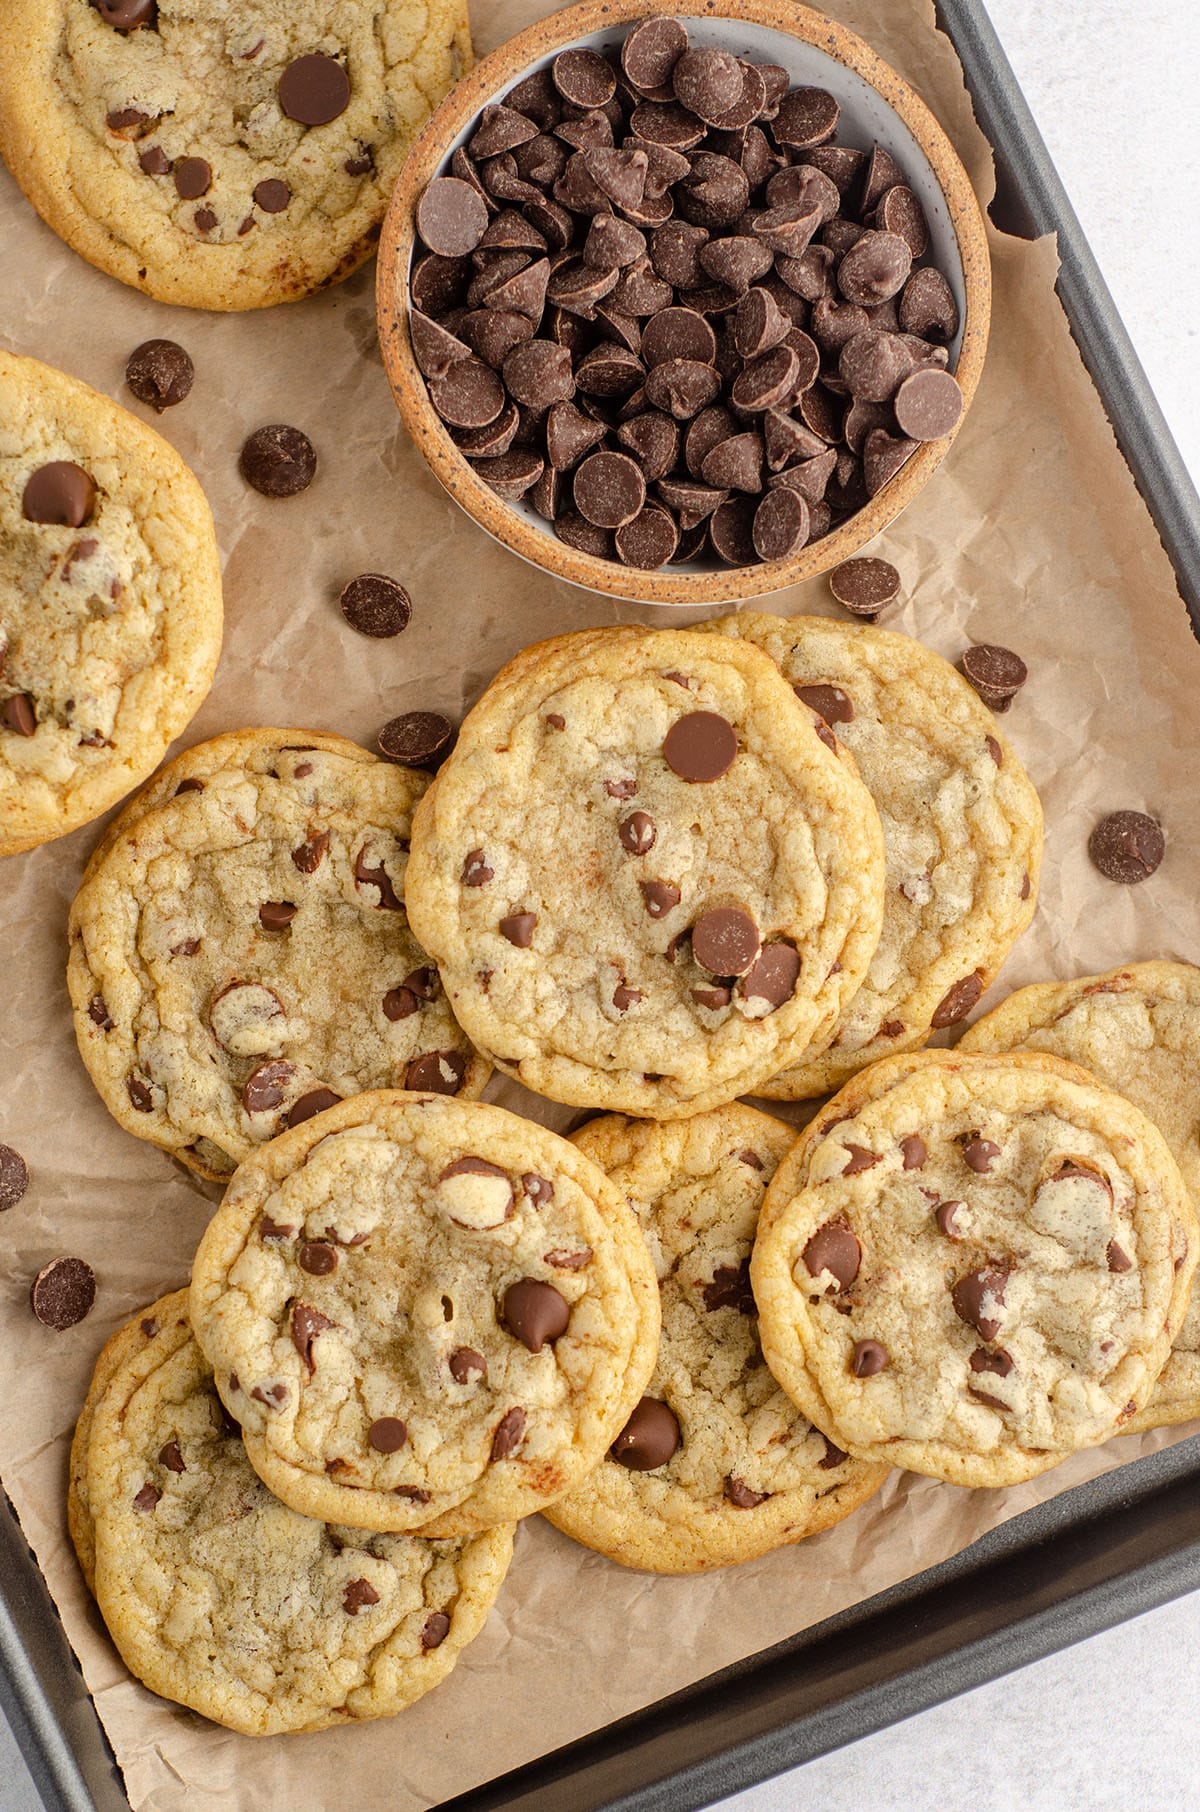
x,y
878,107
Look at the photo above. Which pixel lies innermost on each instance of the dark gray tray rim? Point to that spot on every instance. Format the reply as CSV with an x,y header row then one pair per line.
x,y
1088,1559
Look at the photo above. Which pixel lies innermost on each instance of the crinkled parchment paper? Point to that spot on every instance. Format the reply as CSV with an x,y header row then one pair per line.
x,y
1032,534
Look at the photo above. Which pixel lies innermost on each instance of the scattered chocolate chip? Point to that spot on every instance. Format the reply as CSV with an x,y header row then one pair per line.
x,y
996,673
701,746
725,941
387,1434
269,1229
154,161
414,738
140,1094
1118,1259
637,833
147,1498
127,15
466,1364
510,1431
1127,847
834,1456
860,1159
751,1158
437,1072
833,1249
14,1177
315,89
979,1154
193,177
278,461
266,1086
945,1217
998,1362
739,1494
272,195
475,870
434,1630
99,1015
957,1002
305,1324
317,1257
914,1151
62,1293
978,1299
160,373
829,702
18,714
538,1189
730,1289
311,853
376,605
276,915
868,1358
659,897
170,1457
535,1313
773,976
59,492
357,1594
649,1438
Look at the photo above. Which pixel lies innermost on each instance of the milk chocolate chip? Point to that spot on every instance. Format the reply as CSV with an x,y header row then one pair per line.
x,y
701,746
535,1312
60,492
833,1249
649,1438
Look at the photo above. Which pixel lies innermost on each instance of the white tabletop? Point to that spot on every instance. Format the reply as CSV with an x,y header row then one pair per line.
x,y
1107,1726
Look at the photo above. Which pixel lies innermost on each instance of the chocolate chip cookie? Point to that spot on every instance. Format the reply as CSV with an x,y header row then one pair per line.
x,y
219,1597
240,957
973,1266
1137,1029
427,1314
110,602
647,882
715,1465
962,826
227,156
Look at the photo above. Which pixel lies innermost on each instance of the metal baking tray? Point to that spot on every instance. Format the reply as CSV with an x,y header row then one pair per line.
x,y
1089,1558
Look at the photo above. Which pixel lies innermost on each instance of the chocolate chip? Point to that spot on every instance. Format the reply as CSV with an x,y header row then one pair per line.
x,y
927,404
651,51
311,853
781,525
276,915
637,833
998,1363
914,1151
14,1177
317,1257
863,586
272,195
649,1438
127,15
140,1094
996,673
17,713
882,457
609,489
833,1248
466,1364
278,461
60,492
682,387
773,977
834,1456
415,737
869,1357
1118,1259
470,395
735,463
519,929
740,1494
510,1431
154,161
860,1159
927,307
701,746
730,1289
946,1219
725,941
266,1086
387,1434
170,1457
1127,847
979,1154
829,702
160,373
583,77
315,89
193,178
625,997
99,1015
376,605
357,1594
304,1325
62,1293
437,1072
979,1296
659,897
434,1630
147,1498
957,1001
475,870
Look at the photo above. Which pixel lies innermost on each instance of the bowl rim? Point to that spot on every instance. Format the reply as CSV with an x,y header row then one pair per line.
x,y
667,585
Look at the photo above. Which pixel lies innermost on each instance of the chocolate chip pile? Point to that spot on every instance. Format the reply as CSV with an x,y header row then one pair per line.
x,y
661,304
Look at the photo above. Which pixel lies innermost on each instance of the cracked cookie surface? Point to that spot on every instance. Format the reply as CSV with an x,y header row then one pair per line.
x,y
1137,1029
427,1314
110,601
240,955
221,154
973,1265
647,882
221,1598
748,1473
962,826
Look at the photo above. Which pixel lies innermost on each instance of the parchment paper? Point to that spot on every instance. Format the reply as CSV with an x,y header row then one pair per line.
x,y
1032,534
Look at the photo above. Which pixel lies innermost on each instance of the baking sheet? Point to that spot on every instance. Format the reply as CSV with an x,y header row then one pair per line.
x,y
1032,534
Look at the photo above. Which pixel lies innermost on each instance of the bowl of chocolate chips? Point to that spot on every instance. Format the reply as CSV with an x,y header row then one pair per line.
x,y
683,308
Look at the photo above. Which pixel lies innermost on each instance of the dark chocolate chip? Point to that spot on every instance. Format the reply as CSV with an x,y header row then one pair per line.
x,y
998,1362
278,461
356,1594
311,853
376,605
62,1293
304,1325
315,89
318,1258
739,1494
806,118
414,738
649,1438
927,404
864,586
829,702
437,1072
276,915
147,1498
466,1364
272,195
170,1457
859,1159
14,1177
979,1154
127,15
160,373
609,489
730,1289
18,714
1127,847
154,161
927,307
434,1630
957,1002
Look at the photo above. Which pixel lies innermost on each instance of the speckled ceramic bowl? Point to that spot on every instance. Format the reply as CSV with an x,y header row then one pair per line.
x,y
878,107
